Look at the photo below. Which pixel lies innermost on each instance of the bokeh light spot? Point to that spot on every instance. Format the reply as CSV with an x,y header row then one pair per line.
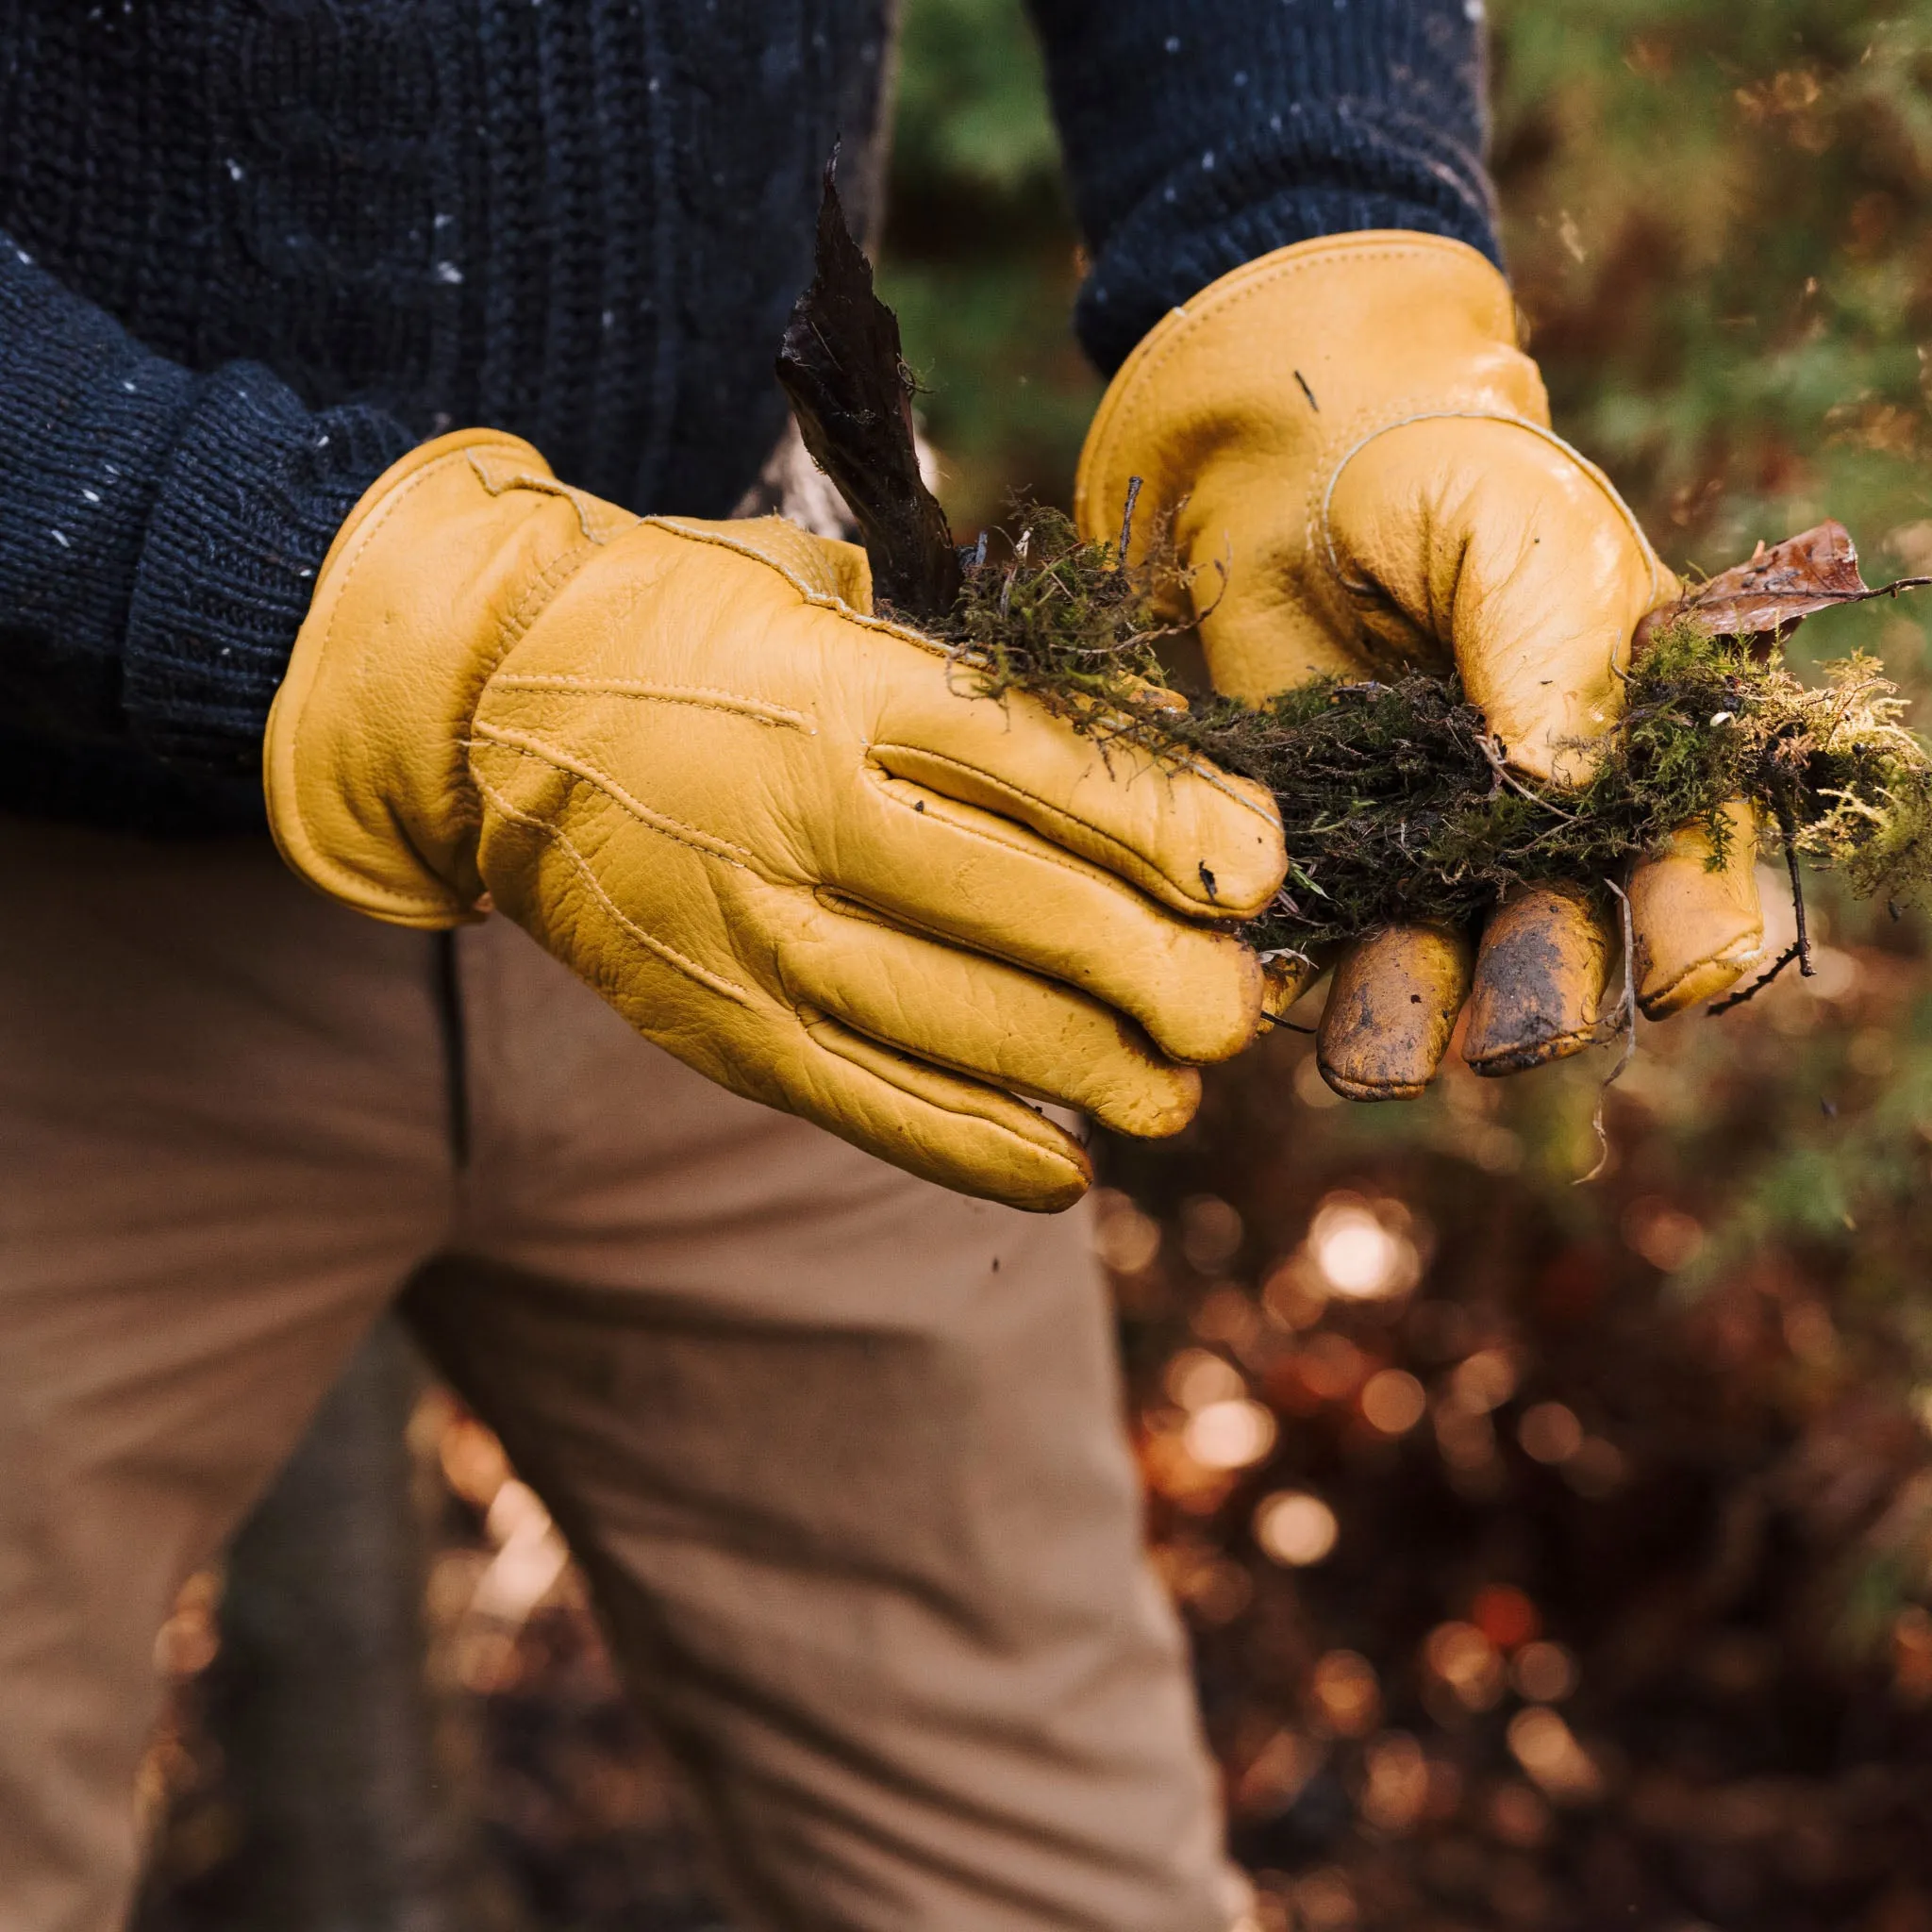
x,y
1344,1692
1229,1435
1550,1432
1547,1749
1393,1402
1505,1616
1485,1381
1210,1233
1197,1378
1359,1253
1543,1673
1125,1239
1295,1528
1464,1659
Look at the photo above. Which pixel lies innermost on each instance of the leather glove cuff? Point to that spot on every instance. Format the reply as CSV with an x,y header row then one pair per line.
x,y
442,565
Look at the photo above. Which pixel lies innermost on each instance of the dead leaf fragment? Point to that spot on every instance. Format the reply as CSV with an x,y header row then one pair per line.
x,y
1771,594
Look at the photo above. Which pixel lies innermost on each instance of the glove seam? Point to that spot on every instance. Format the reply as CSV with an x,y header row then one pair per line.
x,y
345,881
899,921
543,483
662,949
1068,861
1326,534
536,598
821,600
710,844
760,711
1738,952
823,1020
1138,377
844,906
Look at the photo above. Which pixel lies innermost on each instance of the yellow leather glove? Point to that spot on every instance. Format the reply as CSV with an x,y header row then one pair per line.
x,y
764,824
1350,427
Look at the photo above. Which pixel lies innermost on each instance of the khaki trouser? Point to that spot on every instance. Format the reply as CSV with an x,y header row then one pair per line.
x,y
840,1451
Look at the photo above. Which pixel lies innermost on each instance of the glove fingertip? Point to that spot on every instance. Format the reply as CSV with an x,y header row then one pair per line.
x,y
1540,978
1390,1011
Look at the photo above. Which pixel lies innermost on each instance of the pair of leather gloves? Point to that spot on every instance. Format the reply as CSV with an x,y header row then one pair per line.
x,y
768,826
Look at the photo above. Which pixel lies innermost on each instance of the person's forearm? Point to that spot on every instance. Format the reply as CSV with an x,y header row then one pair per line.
x,y
160,531
1202,135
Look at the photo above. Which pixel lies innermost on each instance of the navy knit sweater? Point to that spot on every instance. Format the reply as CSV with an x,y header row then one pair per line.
x,y
254,250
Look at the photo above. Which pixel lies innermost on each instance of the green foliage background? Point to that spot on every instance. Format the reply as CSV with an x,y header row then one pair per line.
x,y
1718,221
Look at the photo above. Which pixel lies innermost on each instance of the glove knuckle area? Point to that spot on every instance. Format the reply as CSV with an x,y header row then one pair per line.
x,y
1197,839
1500,542
1698,929
1266,620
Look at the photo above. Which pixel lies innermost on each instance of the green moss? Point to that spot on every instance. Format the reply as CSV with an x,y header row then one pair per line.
x,y
1397,804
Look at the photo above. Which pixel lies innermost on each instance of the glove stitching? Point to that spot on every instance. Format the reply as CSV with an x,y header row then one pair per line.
x,y
1604,487
843,906
613,789
1248,284
649,942
348,883
536,597
550,485
1059,814
823,600
702,696
899,920
1738,952
823,1031
836,900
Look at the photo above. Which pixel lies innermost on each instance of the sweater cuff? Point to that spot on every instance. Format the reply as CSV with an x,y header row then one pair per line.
x,y
254,491
1330,170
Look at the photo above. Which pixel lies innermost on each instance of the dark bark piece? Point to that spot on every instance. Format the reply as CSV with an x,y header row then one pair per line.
x,y
1774,593
841,367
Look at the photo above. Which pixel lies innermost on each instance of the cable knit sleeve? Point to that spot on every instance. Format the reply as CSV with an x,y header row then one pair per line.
x,y
159,536
1200,134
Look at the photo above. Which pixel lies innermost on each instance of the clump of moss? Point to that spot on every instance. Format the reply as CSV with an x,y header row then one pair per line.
x,y
1398,804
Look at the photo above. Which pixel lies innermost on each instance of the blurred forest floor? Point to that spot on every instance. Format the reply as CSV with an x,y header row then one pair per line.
x,y
1557,1557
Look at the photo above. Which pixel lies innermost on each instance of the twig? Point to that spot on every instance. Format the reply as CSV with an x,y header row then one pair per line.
x,y
1502,777
1787,825
1757,986
1013,571
1624,1019
1128,518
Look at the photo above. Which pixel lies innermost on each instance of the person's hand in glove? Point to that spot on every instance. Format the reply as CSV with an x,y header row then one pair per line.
x,y
766,826
1349,427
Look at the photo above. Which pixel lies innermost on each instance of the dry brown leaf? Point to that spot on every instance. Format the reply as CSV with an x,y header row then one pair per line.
x,y
1771,594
